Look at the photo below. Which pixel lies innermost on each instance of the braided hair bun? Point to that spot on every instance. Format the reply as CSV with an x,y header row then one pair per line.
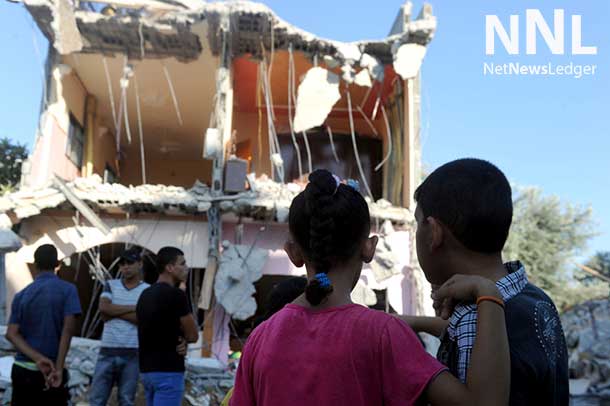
x,y
328,220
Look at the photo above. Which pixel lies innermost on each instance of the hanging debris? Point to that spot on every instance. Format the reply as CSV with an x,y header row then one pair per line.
x,y
373,65
363,78
317,94
240,267
408,59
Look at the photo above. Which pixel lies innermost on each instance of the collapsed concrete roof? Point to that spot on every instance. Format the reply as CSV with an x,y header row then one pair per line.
x,y
266,200
160,29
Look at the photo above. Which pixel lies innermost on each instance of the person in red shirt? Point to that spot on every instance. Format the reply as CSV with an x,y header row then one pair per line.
x,y
322,349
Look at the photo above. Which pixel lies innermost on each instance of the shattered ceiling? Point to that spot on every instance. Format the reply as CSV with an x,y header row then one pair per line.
x,y
143,27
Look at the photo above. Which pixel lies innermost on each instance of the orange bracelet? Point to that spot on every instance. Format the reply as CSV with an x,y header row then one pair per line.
x,y
494,299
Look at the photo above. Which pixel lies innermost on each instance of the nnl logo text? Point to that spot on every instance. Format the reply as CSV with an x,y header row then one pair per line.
x,y
535,22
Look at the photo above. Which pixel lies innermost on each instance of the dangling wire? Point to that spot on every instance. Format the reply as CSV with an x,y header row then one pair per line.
x,y
294,101
173,93
356,154
274,143
308,151
141,37
142,156
294,138
387,129
368,121
270,67
117,129
332,143
124,85
260,118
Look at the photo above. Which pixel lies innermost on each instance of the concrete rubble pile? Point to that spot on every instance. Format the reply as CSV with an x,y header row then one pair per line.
x,y
207,381
587,330
265,200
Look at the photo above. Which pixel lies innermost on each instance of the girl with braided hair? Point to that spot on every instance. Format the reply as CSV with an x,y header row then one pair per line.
x,y
324,350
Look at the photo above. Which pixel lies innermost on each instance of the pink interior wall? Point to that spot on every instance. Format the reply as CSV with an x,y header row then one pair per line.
x,y
49,155
60,164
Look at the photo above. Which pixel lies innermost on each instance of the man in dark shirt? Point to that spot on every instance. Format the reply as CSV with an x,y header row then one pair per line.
x,y
43,317
164,320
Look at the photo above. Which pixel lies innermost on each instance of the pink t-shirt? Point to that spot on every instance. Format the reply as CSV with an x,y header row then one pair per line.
x,y
347,355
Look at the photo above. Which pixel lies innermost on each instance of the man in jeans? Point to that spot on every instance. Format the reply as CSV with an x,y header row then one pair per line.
x,y
117,361
43,319
164,322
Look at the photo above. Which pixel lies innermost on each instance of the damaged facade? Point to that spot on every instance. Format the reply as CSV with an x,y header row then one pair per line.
x,y
155,110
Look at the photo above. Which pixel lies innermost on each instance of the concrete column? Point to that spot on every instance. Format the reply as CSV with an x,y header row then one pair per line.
x,y
213,331
2,289
408,187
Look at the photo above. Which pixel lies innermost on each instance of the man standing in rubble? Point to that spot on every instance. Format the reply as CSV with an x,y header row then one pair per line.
x,y
43,319
117,361
164,321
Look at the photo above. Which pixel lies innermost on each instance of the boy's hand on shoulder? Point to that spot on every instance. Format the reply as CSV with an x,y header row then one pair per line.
x,y
462,288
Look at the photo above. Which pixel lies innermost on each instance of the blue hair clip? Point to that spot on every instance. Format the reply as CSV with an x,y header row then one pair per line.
x,y
323,279
354,184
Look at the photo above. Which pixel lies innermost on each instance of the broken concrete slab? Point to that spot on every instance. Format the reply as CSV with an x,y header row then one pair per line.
x,y
349,51
317,94
408,59
68,39
363,78
331,62
348,73
587,331
373,65
240,266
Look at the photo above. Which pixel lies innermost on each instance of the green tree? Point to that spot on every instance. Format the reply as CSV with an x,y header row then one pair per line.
x,y
12,154
546,235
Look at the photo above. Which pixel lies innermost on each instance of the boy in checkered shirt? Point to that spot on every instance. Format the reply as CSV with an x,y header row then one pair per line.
x,y
464,212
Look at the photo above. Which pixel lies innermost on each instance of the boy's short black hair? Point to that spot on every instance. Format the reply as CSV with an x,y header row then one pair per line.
x,y
472,198
166,256
45,257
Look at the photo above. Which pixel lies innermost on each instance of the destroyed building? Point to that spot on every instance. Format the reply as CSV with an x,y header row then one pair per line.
x,y
154,111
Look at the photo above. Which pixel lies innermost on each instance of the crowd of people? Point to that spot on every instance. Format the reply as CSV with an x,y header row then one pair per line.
x,y
501,337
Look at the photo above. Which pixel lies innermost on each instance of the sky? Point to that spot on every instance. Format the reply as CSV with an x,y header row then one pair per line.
x,y
552,132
